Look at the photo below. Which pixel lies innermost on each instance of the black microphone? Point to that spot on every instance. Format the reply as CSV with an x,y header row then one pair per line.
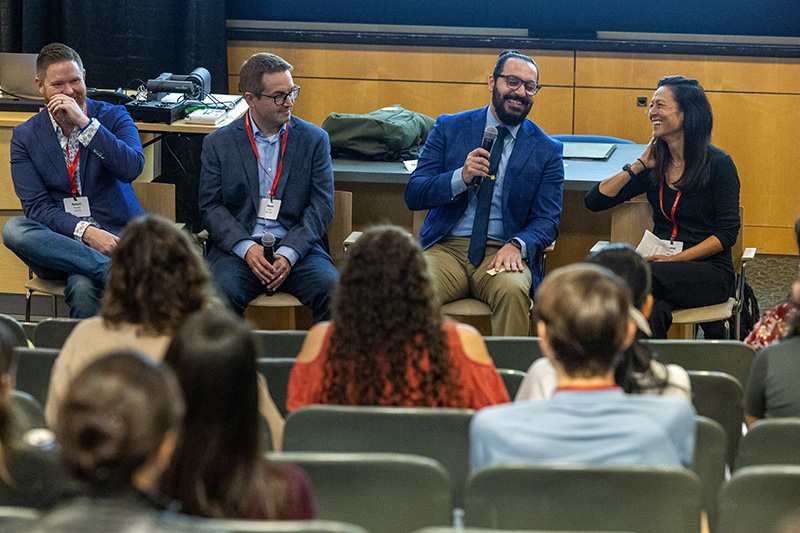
x,y
268,242
489,135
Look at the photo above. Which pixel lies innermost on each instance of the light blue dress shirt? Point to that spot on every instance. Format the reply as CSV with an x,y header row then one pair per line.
x,y
268,150
464,226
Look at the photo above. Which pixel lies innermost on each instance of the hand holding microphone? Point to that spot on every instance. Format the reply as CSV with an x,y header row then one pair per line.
x,y
268,242
476,165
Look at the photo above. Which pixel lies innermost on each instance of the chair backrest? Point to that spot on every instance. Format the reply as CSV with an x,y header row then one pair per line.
x,y
27,412
756,498
655,500
276,371
512,379
775,441
731,357
16,518
342,224
52,332
439,433
15,329
288,526
571,138
516,353
34,366
710,451
390,493
280,343
156,198
718,396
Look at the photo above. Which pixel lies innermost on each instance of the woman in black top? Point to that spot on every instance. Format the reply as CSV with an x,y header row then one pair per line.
x,y
693,188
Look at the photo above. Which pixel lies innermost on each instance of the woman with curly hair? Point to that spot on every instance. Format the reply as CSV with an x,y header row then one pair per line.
x,y
388,343
156,280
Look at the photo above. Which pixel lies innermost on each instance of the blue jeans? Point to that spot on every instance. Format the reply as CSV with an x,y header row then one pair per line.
x,y
311,280
57,257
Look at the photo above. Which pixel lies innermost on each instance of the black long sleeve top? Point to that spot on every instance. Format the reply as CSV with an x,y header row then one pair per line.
x,y
701,211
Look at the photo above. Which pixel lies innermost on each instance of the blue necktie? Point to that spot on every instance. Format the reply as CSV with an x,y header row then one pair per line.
x,y
480,226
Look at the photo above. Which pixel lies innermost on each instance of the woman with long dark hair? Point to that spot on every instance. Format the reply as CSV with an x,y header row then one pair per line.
x,y
635,370
218,469
388,343
693,188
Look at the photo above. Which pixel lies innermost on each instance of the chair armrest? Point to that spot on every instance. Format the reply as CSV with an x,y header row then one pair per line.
x,y
749,253
550,248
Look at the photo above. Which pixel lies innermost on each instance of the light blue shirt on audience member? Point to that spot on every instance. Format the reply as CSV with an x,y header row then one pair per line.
x,y
269,149
457,186
598,427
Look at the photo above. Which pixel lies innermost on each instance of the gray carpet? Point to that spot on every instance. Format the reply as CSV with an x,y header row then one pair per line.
x,y
771,277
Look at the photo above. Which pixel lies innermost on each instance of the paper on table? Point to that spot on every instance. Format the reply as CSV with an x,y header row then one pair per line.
x,y
411,164
652,245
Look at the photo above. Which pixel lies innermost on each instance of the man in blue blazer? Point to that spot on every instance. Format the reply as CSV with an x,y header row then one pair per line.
x,y
72,164
486,250
269,173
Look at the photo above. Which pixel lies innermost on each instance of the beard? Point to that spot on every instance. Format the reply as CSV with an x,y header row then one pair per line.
x,y
510,119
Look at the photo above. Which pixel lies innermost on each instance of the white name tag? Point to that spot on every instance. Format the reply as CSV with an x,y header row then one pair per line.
x,y
673,247
269,208
77,205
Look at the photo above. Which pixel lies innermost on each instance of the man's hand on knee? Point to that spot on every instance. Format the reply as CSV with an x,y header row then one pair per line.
x,y
281,269
509,257
101,240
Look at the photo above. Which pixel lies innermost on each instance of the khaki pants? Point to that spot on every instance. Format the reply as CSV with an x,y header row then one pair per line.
x,y
507,293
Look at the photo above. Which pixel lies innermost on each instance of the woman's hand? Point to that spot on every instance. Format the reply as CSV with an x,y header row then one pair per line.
x,y
647,156
659,258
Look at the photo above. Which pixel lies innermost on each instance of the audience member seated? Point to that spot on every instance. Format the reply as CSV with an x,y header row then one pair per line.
x,y
29,475
635,371
156,280
218,470
775,324
388,343
772,389
693,189
117,427
583,323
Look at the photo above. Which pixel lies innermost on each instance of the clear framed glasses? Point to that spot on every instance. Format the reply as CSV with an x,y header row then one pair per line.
x,y
513,82
281,98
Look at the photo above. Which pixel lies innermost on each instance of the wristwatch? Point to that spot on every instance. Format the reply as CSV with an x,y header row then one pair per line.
x,y
627,168
515,243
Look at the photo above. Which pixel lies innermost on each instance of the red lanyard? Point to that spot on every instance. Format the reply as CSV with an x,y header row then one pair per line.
x,y
280,159
577,388
671,218
73,164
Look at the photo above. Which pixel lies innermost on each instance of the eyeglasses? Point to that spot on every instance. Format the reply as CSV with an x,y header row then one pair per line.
x,y
281,98
513,82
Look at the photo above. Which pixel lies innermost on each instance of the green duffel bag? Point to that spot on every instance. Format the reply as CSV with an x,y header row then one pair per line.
x,y
389,134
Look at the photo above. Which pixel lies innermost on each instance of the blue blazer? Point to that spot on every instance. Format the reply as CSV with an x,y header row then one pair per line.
x,y
112,160
532,186
229,194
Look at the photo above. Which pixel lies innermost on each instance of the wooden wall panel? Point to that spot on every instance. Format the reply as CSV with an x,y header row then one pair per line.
x,y
612,112
8,198
462,65
13,272
738,74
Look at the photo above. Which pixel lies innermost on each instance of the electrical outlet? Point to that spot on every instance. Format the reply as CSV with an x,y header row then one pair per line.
x,y
641,101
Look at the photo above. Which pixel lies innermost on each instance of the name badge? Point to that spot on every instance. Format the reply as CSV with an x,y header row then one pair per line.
x,y
673,247
269,208
78,206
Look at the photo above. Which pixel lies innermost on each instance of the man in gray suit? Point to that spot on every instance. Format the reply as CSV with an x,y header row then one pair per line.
x,y
269,173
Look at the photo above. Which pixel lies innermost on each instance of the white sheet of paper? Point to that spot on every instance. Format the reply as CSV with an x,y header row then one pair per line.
x,y
411,165
652,245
